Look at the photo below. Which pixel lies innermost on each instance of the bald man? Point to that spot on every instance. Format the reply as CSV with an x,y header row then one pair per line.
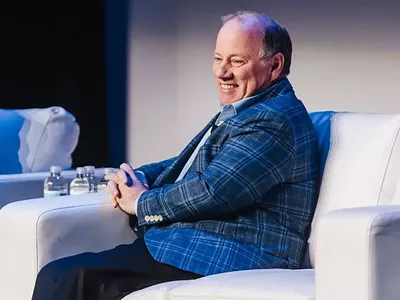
x,y
240,196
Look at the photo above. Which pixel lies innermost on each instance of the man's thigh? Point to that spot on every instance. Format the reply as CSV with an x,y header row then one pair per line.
x,y
118,271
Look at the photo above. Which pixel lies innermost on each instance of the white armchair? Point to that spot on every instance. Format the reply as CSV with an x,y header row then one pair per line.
x,y
354,240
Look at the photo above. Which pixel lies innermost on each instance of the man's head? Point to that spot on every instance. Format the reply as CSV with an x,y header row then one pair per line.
x,y
252,51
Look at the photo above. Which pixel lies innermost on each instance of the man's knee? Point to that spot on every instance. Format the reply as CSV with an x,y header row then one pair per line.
x,y
51,271
61,268
56,277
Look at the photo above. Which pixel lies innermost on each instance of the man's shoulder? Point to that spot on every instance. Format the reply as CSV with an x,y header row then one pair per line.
x,y
279,108
281,104
284,113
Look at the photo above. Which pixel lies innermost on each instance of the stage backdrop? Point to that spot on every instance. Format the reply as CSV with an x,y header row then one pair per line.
x,y
53,53
346,57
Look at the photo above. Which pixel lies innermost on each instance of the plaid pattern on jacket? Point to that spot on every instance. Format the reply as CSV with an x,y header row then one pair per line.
x,y
248,199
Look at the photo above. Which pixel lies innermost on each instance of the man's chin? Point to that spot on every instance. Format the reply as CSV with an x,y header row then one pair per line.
x,y
227,100
223,102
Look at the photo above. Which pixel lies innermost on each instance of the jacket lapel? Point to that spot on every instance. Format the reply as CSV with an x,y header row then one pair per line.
x,y
171,173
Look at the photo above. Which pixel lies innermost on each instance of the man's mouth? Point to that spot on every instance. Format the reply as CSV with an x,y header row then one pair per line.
x,y
228,87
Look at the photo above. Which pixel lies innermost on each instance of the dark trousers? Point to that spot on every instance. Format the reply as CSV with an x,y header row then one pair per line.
x,y
111,274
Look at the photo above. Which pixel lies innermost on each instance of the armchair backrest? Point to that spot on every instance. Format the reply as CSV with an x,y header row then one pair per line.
x,y
362,167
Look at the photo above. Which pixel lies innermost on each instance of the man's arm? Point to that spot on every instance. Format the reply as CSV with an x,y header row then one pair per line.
x,y
248,165
153,170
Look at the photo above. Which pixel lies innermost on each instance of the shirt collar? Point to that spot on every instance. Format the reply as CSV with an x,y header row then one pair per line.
x,y
230,110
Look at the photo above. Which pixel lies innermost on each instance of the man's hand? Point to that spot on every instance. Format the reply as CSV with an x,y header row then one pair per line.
x,y
125,189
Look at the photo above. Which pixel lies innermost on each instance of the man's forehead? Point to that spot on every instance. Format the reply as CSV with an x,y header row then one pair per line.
x,y
239,37
245,26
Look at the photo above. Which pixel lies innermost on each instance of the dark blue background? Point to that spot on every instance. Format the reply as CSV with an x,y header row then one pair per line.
x,y
72,54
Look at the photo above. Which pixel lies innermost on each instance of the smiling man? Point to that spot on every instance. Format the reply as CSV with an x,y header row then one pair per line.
x,y
240,196
242,65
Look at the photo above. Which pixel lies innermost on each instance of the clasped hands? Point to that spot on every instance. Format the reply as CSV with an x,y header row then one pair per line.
x,y
125,188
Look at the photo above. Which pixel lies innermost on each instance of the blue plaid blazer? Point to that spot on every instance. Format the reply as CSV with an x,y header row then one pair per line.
x,y
248,199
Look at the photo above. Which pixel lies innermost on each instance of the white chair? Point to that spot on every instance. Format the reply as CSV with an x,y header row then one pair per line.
x,y
354,241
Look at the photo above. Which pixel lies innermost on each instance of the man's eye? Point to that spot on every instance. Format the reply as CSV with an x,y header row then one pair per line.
x,y
237,62
218,59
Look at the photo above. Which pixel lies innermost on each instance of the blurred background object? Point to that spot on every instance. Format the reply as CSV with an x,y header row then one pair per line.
x,y
33,140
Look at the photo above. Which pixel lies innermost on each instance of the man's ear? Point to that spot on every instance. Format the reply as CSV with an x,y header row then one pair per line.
x,y
278,61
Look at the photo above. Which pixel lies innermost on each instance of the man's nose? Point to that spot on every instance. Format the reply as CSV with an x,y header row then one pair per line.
x,y
223,72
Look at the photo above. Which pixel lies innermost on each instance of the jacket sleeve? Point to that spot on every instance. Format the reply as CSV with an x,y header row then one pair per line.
x,y
250,162
153,170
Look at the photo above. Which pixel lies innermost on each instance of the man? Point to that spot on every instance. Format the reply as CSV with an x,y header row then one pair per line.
x,y
240,196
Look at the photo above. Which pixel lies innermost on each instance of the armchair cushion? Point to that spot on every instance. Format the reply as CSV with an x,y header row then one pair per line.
x,y
274,284
34,139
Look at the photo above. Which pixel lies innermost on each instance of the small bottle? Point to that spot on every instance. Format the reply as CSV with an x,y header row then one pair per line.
x,y
55,185
80,184
90,170
102,186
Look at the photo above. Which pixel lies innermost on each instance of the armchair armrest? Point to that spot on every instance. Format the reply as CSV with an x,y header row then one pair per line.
x,y
358,254
38,231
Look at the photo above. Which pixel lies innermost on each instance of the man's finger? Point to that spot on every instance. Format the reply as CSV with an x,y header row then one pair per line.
x,y
123,176
113,189
113,201
128,169
113,177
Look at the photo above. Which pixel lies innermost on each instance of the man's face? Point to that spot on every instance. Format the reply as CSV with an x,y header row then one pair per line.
x,y
237,67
